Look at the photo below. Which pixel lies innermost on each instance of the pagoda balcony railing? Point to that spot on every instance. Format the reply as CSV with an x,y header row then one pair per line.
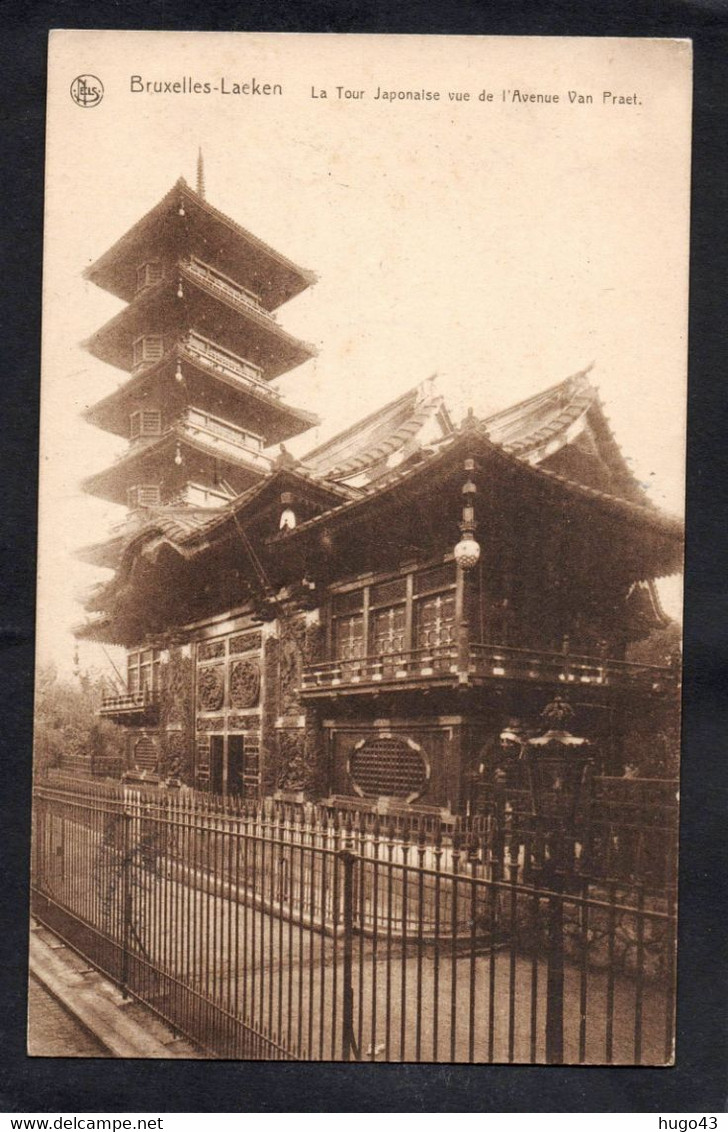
x,y
225,361
128,703
484,662
202,495
507,662
226,286
195,421
240,437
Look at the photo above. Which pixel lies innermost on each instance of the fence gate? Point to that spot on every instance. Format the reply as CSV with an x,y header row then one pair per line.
x,y
272,933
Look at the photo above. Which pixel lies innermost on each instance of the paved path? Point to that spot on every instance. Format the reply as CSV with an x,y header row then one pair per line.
x,y
74,1012
53,1032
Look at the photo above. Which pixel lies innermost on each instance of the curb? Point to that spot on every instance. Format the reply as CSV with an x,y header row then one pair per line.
x,y
103,1018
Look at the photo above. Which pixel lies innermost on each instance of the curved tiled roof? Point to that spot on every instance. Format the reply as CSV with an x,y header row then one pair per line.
x,y
525,438
539,428
538,419
662,522
176,521
379,435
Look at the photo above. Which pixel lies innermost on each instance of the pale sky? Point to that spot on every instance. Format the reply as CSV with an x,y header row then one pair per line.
x,y
499,245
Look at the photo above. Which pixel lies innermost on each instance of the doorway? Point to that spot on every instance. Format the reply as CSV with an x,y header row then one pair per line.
x,y
217,764
227,764
235,764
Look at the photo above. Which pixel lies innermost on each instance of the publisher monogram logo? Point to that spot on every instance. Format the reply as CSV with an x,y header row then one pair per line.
x,y
87,90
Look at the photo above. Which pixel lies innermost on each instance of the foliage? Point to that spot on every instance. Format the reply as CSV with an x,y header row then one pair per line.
x,y
66,720
653,739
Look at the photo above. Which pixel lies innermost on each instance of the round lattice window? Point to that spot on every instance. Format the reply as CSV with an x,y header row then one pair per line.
x,y
389,766
211,687
145,754
244,683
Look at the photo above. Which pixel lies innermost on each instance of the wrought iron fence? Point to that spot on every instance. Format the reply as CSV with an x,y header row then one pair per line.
x,y
627,830
264,932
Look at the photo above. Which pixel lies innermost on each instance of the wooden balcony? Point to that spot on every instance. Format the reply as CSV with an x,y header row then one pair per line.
x,y
501,662
130,707
227,286
197,420
440,665
224,361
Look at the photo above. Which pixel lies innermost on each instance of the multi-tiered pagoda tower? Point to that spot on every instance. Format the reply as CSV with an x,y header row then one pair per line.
x,y
200,341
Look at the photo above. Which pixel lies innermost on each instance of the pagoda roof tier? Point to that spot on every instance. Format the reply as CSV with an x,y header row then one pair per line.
x,y
204,231
563,429
206,308
205,452
214,379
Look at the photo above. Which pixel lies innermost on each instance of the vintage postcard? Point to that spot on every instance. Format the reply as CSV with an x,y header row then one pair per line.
x,y
359,612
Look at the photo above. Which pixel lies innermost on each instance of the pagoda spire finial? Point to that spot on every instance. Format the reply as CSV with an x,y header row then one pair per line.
x,y
200,174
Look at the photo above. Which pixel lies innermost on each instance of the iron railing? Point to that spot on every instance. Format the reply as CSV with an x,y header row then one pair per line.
x,y
260,932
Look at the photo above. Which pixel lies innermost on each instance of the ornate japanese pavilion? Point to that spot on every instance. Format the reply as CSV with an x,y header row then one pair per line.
x,y
359,623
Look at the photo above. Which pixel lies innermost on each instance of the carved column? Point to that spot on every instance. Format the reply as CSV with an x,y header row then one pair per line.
x,y
291,734
177,715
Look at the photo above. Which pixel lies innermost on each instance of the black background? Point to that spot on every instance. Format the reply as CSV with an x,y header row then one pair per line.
x,y
698,1082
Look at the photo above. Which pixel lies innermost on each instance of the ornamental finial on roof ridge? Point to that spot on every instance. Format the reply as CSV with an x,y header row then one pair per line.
x,y
426,389
471,423
582,377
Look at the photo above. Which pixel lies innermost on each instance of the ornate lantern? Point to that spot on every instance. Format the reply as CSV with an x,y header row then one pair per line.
x,y
288,515
559,765
467,550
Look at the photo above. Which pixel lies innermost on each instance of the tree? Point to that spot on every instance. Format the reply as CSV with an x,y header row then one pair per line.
x,y
67,722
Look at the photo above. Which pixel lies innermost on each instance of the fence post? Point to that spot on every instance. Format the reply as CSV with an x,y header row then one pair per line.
x,y
348,1042
554,879
125,899
499,826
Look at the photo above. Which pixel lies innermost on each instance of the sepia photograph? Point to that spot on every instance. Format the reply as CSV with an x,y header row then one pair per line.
x,y
357,707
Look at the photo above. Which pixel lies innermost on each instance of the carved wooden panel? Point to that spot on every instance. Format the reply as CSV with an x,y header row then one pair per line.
x,y
177,714
244,683
242,722
177,755
293,633
292,768
176,690
210,687
212,723
313,649
244,642
270,711
209,650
